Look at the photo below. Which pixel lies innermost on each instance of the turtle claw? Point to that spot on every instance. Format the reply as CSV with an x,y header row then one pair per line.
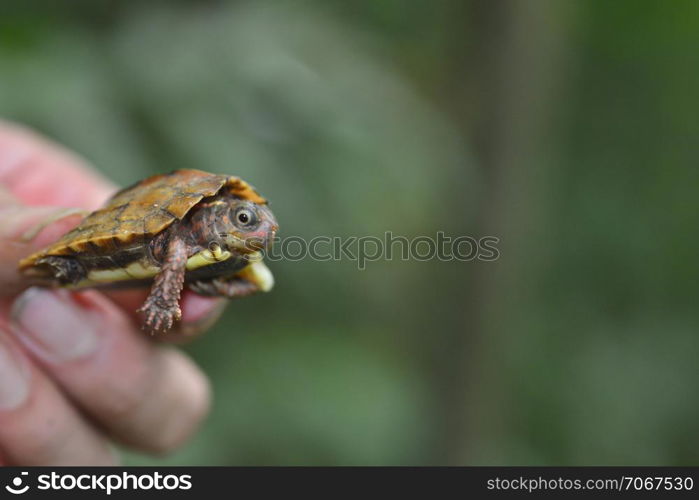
x,y
159,319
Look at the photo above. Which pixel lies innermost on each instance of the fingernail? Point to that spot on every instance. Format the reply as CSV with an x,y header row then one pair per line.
x,y
54,325
14,378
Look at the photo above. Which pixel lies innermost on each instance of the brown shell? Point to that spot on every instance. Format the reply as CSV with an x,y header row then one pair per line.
x,y
141,211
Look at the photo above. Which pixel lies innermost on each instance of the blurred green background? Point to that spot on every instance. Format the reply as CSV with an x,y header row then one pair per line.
x,y
567,129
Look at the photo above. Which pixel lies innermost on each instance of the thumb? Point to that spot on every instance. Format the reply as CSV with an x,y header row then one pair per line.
x,y
26,230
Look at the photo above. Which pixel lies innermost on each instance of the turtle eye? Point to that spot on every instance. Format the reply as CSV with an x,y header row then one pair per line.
x,y
245,217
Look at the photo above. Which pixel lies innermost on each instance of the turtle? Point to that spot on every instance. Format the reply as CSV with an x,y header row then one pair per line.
x,y
188,228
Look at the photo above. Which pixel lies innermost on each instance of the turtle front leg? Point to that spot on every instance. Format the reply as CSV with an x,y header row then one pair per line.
x,y
161,309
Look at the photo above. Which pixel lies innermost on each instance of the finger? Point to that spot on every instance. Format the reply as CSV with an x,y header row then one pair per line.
x,y
146,396
198,313
39,172
7,198
38,426
24,231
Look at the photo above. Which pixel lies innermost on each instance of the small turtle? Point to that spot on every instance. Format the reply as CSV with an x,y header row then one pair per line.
x,y
187,228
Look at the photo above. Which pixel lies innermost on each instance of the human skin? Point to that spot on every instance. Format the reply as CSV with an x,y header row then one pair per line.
x,y
76,372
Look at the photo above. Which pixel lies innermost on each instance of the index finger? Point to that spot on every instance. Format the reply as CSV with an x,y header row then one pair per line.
x,y
24,231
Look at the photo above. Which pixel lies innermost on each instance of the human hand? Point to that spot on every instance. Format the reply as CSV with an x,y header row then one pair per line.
x,y
76,372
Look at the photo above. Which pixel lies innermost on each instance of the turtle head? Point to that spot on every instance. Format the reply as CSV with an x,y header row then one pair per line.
x,y
247,226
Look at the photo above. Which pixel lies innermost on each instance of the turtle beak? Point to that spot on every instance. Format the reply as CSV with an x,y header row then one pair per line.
x,y
272,228
271,235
